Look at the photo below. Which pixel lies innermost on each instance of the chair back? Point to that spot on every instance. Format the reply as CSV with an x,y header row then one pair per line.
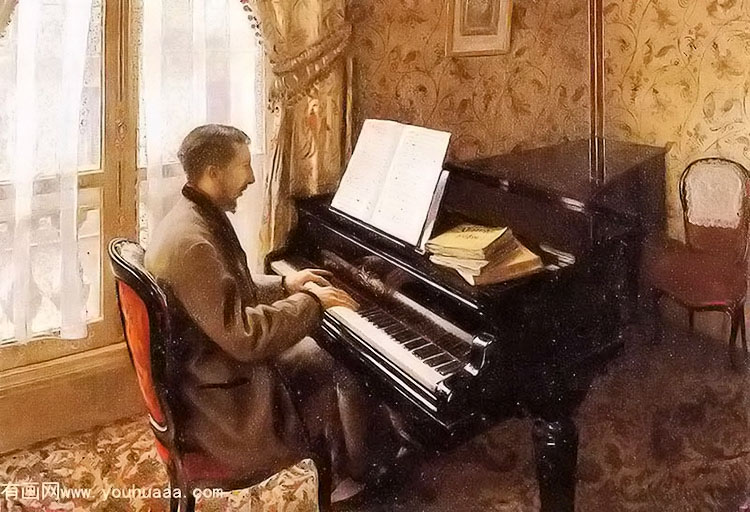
x,y
146,325
715,196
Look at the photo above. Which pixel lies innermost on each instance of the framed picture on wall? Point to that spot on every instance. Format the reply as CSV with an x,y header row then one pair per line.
x,y
478,27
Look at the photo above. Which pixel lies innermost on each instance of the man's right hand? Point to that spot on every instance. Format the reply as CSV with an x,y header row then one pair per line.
x,y
330,296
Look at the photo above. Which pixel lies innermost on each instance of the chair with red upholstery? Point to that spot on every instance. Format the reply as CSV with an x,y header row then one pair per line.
x,y
146,321
709,271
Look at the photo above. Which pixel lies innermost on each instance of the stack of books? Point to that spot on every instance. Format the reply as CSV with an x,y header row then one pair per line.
x,y
482,254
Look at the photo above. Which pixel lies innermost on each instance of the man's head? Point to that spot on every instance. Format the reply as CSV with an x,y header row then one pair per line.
x,y
216,160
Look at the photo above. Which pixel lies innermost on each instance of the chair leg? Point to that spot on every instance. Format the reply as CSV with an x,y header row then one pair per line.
x,y
323,468
655,316
186,500
734,325
174,503
691,320
741,318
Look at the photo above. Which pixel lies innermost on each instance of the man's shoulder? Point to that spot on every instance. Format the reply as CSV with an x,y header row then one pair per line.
x,y
181,229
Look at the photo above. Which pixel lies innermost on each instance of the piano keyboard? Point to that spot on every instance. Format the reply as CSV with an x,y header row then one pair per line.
x,y
426,358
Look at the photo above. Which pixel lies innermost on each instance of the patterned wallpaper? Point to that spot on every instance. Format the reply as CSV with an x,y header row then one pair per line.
x,y
678,75
535,95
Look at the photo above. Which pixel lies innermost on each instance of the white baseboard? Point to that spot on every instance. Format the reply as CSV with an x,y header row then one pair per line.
x,y
65,395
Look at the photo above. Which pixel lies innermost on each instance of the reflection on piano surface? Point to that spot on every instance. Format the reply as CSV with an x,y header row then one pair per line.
x,y
455,358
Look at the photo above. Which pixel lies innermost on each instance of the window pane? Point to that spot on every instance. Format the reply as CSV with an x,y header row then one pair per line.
x,y
217,71
44,291
169,193
48,69
90,141
203,55
6,275
89,248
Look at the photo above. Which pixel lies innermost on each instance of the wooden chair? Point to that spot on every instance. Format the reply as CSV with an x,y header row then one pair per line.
x,y
709,271
147,321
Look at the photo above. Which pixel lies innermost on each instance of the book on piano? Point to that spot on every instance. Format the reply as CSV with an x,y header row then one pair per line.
x,y
483,254
519,263
395,180
471,241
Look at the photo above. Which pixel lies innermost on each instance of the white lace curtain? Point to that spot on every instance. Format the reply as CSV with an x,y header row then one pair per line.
x,y
201,62
43,57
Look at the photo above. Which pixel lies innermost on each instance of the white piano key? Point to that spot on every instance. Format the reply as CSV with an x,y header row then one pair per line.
x,y
388,346
379,340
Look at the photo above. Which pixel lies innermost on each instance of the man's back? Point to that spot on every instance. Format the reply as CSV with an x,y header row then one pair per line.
x,y
235,402
243,379
180,228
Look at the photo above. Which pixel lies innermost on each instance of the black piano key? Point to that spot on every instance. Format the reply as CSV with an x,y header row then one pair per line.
x,y
372,308
428,351
380,318
454,345
404,328
462,352
396,329
438,360
391,327
400,331
418,343
406,340
383,323
450,343
375,313
389,331
448,368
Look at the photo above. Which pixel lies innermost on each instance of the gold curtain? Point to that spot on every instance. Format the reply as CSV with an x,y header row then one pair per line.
x,y
306,41
6,9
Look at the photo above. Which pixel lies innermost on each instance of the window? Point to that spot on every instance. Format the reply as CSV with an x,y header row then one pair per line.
x,y
99,151
66,143
200,62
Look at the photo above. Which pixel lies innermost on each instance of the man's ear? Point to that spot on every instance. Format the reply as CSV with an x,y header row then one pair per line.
x,y
212,171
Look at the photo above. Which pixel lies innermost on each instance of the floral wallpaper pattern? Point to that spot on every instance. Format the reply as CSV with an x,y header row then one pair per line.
x,y
535,95
677,74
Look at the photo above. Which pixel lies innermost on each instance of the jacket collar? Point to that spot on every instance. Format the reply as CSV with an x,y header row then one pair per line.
x,y
219,224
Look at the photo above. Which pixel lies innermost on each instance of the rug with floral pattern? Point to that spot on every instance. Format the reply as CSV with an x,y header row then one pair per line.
x,y
665,429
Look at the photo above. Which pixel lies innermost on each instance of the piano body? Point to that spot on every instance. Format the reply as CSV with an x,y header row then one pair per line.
x,y
456,359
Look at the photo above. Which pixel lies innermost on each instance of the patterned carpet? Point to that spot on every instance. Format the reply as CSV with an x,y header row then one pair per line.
x,y
665,429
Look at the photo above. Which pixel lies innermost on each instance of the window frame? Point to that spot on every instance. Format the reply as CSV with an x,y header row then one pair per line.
x,y
116,180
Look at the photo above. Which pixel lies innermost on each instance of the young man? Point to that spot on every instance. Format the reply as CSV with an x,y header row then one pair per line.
x,y
255,397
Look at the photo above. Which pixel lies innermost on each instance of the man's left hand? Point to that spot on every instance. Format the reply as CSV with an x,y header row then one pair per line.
x,y
296,282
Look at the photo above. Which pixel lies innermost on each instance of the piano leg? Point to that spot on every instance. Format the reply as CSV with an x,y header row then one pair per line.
x,y
556,453
633,281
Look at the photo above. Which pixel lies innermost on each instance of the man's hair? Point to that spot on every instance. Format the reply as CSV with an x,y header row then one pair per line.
x,y
210,144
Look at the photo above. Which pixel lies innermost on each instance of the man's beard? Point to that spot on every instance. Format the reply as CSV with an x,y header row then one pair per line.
x,y
231,205
228,201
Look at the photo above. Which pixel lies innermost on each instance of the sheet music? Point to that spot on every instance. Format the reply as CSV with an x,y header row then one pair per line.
x,y
361,184
411,182
429,222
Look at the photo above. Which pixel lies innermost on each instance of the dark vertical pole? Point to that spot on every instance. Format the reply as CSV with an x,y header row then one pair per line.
x,y
596,59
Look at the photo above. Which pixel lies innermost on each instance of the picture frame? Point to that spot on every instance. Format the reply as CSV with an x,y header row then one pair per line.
x,y
478,27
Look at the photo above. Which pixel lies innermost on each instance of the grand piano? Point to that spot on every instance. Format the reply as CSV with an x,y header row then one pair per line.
x,y
456,359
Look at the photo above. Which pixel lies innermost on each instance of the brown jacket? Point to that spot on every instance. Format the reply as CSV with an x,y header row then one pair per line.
x,y
237,407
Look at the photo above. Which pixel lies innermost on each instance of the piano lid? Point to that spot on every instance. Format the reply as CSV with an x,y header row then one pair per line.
x,y
567,236
561,171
